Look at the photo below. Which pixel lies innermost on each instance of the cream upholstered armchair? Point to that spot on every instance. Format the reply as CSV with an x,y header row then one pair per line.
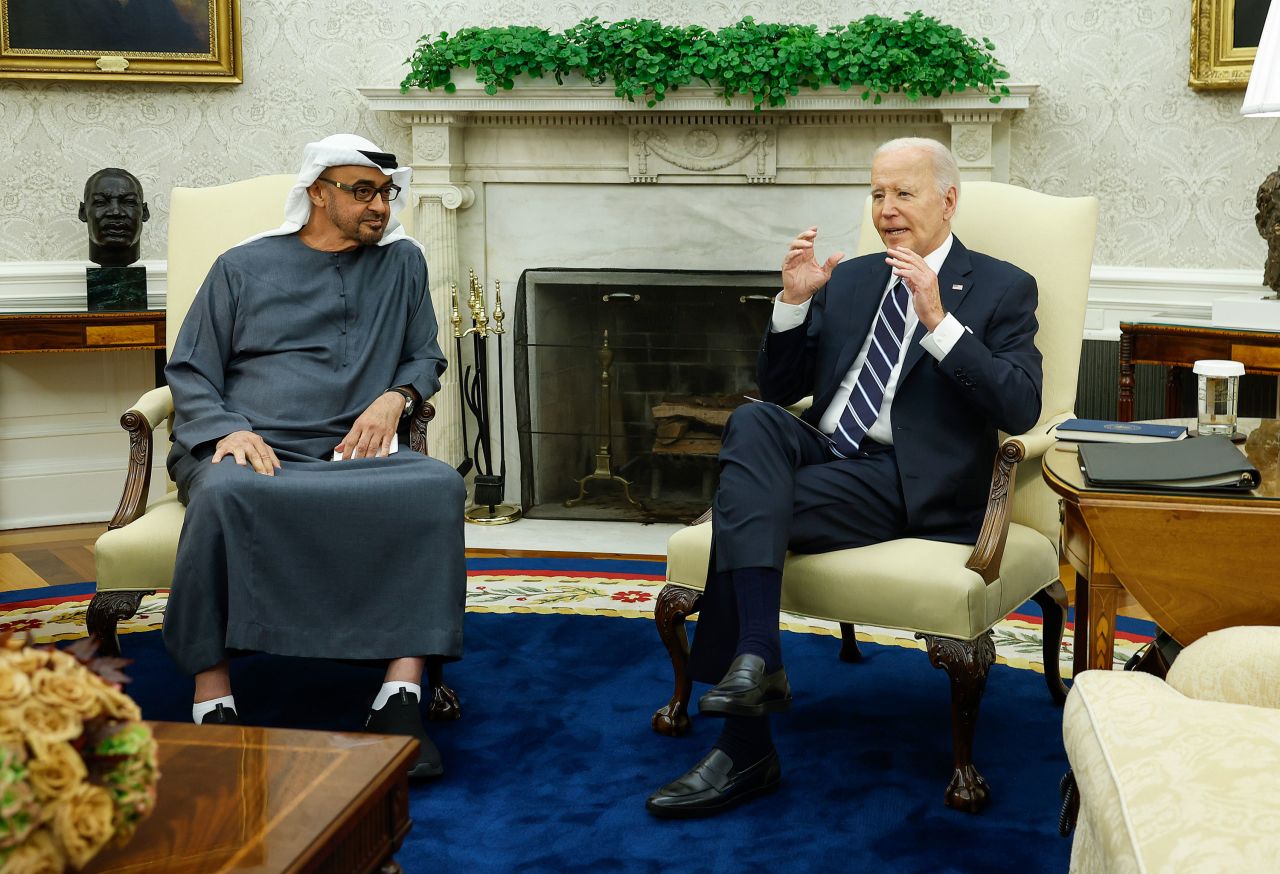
x,y
136,555
1180,774
949,594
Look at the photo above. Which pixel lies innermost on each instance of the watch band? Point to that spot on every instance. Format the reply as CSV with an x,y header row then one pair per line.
x,y
409,400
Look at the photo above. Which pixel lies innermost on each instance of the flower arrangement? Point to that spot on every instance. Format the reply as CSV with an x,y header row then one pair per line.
x,y
77,766
645,60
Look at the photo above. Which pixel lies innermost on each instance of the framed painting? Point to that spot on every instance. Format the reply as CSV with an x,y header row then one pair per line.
x,y
121,40
1224,41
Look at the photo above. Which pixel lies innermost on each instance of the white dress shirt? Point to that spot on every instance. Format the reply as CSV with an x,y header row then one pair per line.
x,y
937,343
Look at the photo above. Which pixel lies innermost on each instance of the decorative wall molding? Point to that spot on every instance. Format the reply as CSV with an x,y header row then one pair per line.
x,y
578,96
1115,293
51,286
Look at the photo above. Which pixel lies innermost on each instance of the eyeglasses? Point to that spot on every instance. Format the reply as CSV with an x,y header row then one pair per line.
x,y
365,193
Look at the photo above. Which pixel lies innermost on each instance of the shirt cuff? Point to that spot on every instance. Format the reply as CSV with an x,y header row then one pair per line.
x,y
787,315
943,338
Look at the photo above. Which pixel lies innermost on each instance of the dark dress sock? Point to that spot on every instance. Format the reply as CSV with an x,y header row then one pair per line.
x,y
759,596
745,739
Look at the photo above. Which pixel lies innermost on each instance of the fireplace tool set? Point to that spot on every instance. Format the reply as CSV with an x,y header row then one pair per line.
x,y
474,397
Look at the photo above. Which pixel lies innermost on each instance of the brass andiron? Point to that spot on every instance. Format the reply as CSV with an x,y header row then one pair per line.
x,y
604,454
489,487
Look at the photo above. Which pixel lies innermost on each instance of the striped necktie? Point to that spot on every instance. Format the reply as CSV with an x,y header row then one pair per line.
x,y
863,406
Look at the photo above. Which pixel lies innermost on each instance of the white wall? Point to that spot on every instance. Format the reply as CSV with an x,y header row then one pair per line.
x,y
1176,169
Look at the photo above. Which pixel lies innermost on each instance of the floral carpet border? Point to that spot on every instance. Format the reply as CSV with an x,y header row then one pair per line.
x,y
625,588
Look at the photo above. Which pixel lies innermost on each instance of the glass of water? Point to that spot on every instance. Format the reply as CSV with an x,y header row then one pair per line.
x,y
1217,393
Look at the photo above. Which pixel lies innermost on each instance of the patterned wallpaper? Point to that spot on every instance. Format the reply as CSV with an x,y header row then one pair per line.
x,y
1176,169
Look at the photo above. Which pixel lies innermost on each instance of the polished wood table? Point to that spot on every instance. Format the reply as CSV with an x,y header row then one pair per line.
x,y
245,799
1195,562
1179,346
84,331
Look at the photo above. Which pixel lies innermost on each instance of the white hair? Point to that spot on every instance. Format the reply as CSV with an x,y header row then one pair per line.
x,y
946,174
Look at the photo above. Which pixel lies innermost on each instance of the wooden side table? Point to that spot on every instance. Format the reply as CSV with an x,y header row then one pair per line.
x,y
235,798
83,331
1196,562
1179,346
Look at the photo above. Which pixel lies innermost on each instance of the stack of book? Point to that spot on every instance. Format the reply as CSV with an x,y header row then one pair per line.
x,y
1103,431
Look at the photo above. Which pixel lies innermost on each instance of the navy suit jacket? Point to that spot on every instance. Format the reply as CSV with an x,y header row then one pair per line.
x,y
945,414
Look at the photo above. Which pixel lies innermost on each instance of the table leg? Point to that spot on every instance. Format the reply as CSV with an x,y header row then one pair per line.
x,y
1124,401
1172,395
1080,633
1104,599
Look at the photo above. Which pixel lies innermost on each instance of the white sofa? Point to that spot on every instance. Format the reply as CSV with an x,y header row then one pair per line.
x,y
1180,775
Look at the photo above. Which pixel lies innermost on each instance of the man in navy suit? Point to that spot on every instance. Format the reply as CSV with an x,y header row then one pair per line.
x,y
916,358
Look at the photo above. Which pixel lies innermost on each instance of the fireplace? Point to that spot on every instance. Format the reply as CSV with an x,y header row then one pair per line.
x,y
571,175
623,380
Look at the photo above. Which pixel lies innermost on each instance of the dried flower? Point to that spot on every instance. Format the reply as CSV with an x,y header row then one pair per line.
x,y
77,768
83,822
38,854
55,771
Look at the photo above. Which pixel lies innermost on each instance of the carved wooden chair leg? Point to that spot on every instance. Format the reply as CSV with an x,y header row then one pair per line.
x,y
1053,606
967,663
849,651
674,605
444,701
105,610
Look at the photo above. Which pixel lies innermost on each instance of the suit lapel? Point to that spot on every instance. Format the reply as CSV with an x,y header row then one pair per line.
x,y
954,282
862,314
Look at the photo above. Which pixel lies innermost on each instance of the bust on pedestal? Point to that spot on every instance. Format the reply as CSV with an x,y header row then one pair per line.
x,y
114,210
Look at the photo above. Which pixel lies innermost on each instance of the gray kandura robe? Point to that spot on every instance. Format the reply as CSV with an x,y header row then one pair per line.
x,y
356,559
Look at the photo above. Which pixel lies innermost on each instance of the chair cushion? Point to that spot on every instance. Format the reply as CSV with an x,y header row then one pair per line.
x,y
912,584
141,554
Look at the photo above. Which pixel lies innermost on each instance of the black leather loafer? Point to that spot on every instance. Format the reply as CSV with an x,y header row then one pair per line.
x,y
220,715
714,785
401,715
746,691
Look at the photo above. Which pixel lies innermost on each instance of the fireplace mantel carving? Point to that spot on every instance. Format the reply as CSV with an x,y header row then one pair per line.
x,y
547,134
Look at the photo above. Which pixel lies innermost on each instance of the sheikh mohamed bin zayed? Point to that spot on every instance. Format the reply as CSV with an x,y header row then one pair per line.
x,y
305,533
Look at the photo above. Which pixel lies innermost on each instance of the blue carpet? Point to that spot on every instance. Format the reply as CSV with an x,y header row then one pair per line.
x,y
551,762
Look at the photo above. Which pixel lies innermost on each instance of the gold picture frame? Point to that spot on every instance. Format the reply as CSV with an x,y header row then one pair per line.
x,y
1224,41
122,40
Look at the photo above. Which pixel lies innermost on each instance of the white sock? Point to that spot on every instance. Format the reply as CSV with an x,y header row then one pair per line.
x,y
200,709
390,690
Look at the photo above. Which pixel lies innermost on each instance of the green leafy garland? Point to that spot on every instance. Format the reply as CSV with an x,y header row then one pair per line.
x,y
646,59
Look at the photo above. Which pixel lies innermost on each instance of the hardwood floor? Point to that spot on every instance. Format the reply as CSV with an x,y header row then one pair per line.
x,y
34,557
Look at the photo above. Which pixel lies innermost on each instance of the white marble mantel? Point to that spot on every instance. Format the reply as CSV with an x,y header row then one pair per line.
x,y
571,175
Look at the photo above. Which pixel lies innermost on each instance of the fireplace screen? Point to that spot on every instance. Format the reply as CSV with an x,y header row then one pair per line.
x,y
623,383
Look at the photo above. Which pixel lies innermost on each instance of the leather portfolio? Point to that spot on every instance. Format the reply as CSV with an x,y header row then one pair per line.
x,y
1198,463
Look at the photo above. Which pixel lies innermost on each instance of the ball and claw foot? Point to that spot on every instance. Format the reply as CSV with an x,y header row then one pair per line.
x,y
671,720
444,704
967,790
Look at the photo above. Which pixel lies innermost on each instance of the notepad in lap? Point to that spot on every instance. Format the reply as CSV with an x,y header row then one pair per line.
x,y
1104,431
395,447
1198,463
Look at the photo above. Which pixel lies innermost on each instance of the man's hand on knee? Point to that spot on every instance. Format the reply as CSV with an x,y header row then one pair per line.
x,y
371,434
247,447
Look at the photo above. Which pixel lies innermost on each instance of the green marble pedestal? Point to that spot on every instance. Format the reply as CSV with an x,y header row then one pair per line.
x,y
116,288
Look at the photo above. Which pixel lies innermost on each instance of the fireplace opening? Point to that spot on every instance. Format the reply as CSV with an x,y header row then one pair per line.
x,y
623,382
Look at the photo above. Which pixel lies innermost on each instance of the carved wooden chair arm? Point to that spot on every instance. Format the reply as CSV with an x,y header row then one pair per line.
x,y
140,421
418,427
989,550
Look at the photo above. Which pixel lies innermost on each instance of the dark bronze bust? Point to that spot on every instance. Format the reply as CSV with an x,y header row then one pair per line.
x,y
114,210
1268,222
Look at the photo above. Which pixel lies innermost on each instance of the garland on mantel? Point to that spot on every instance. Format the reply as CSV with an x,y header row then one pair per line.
x,y
645,59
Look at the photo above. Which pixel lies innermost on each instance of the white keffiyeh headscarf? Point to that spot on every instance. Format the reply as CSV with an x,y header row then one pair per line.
x,y
336,151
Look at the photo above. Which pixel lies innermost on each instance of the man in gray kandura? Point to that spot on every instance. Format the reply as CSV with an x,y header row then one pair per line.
x,y
304,536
